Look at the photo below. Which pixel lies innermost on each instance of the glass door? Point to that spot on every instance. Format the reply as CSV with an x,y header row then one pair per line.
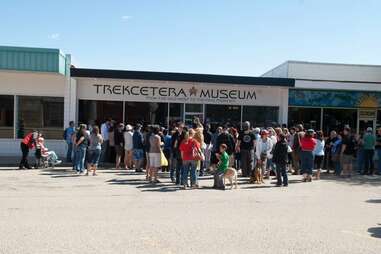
x,y
192,111
367,118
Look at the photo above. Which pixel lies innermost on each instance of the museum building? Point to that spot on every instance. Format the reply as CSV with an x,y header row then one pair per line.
x,y
40,89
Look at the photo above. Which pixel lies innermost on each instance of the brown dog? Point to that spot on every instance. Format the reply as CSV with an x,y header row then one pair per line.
x,y
256,174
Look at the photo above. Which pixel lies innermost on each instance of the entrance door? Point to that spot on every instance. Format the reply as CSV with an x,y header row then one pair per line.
x,y
364,124
192,111
367,118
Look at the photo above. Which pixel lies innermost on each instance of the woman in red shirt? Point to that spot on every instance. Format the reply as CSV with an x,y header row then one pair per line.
x,y
187,147
307,144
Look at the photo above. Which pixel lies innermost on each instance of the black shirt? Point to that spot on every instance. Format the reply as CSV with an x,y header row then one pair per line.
x,y
350,144
247,140
227,139
207,137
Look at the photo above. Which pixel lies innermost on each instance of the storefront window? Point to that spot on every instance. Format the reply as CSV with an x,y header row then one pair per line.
x,y
220,115
96,112
308,117
6,116
336,119
176,113
146,113
43,113
260,116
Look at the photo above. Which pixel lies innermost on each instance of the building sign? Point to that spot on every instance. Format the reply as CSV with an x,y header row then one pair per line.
x,y
177,92
367,114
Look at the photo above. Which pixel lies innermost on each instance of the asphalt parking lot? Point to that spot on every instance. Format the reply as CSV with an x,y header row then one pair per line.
x,y
56,211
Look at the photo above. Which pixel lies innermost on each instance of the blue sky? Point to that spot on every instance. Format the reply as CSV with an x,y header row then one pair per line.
x,y
212,36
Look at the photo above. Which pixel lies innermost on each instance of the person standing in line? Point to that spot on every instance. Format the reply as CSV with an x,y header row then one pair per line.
x,y
208,149
214,141
177,139
329,160
81,143
28,142
128,147
154,154
280,158
245,145
137,144
263,149
319,153
199,137
106,144
119,144
69,131
378,150
167,150
307,145
95,149
111,139
187,148
348,152
296,150
369,146
359,153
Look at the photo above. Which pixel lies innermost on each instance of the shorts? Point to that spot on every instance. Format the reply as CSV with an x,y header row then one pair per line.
x,y
119,150
319,161
94,156
154,160
138,154
346,159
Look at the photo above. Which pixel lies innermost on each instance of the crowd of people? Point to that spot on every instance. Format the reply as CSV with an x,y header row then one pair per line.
x,y
192,151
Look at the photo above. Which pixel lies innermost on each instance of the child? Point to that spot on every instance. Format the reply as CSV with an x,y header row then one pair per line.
x,y
222,166
280,158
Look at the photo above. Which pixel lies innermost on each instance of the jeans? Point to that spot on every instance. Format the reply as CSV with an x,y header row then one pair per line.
x,y
281,173
105,154
369,165
379,160
69,151
189,167
337,165
307,162
360,160
80,159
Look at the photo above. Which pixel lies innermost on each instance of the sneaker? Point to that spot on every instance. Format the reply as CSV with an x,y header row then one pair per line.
x,y
285,185
57,162
185,187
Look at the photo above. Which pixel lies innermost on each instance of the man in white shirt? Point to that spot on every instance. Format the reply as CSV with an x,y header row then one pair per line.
x,y
106,143
128,164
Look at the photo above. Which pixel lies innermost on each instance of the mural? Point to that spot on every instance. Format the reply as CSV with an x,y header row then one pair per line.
x,y
339,99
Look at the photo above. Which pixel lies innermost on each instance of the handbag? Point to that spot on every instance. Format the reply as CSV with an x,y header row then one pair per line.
x,y
198,155
163,160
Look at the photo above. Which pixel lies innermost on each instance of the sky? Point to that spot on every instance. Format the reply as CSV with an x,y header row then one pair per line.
x,y
236,37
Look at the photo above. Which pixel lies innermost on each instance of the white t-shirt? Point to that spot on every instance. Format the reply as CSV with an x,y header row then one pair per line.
x,y
128,140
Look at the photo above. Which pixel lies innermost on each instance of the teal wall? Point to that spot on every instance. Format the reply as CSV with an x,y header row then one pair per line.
x,y
32,59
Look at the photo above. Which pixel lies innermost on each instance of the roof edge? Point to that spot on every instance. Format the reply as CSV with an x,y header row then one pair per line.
x,y
182,77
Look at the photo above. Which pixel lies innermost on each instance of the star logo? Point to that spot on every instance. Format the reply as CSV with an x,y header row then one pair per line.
x,y
193,91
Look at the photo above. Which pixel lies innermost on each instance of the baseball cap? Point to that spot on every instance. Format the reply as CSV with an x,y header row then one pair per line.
x,y
369,129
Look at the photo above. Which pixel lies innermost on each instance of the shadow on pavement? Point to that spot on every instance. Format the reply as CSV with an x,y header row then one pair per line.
x,y
375,231
354,180
374,201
